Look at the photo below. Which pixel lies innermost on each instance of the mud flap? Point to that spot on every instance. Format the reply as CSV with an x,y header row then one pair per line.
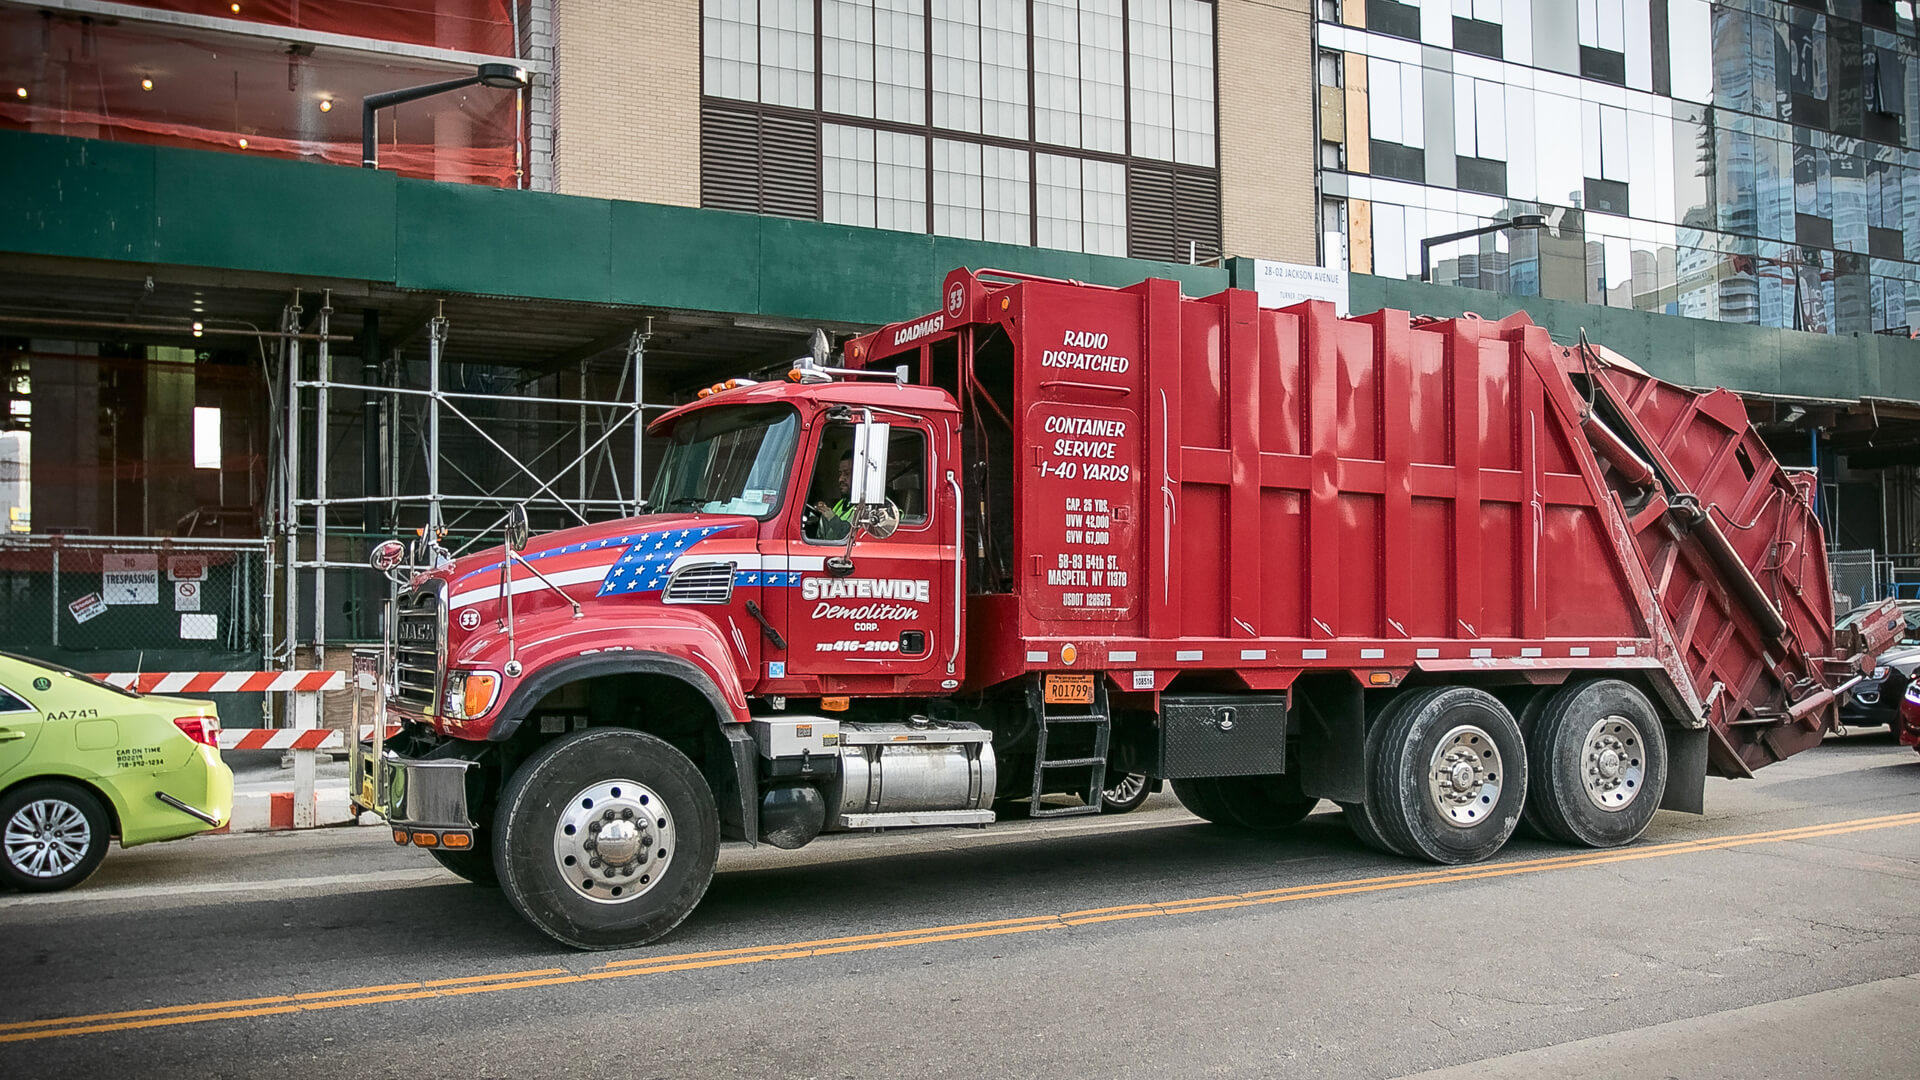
x,y
738,793
1686,770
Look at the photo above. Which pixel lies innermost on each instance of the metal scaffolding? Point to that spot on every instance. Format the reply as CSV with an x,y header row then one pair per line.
x,y
406,429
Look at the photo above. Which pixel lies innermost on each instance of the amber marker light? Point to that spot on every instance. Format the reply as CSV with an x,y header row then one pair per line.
x,y
425,839
834,704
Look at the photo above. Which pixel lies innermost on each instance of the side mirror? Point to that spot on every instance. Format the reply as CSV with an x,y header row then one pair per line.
x,y
870,463
517,528
387,555
882,520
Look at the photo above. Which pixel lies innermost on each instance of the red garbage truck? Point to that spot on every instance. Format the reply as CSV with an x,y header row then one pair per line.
x,y
1449,574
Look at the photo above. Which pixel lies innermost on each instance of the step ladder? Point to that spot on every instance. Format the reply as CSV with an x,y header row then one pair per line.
x,y
1052,723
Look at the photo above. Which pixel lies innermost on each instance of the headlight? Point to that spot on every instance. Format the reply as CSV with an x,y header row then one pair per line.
x,y
1879,674
469,694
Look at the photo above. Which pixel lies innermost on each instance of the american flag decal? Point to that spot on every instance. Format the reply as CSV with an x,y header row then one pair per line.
x,y
645,564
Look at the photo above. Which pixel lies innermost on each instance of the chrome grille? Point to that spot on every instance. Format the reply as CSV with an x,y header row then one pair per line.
x,y
419,628
702,583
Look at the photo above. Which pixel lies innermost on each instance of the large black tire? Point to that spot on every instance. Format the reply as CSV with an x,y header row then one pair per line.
x,y
1364,817
1450,776
474,865
1261,803
1597,760
53,835
620,809
1125,794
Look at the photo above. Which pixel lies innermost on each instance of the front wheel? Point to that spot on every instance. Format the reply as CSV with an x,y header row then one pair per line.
x,y
53,836
474,865
606,839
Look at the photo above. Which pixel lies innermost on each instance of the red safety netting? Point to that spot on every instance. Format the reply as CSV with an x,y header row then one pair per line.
x,y
481,26
491,165
152,84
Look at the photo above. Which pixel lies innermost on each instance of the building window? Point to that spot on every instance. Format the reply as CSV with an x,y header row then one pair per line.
x,y
1480,135
1398,20
870,59
1331,74
1603,40
1396,119
873,178
907,122
206,438
1330,11
1476,27
1603,130
1333,154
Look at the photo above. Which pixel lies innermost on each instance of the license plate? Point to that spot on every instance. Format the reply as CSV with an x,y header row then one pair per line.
x,y
1069,689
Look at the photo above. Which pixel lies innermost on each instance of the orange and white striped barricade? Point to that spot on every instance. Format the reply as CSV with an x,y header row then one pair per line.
x,y
303,740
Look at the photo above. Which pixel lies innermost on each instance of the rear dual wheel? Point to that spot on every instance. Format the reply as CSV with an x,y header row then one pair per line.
x,y
1448,775
1260,803
1599,760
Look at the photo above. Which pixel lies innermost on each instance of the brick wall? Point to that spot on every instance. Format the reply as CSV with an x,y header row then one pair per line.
x,y
1267,150
626,109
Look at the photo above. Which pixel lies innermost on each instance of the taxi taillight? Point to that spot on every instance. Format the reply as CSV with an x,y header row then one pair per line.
x,y
204,730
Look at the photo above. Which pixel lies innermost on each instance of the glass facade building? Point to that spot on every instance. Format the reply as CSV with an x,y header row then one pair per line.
x,y
1082,125
1750,161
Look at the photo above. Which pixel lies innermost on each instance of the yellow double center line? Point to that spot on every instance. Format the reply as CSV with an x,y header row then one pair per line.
x,y
168,1016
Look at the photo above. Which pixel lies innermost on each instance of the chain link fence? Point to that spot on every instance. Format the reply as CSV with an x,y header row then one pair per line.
x,y
98,603
1860,576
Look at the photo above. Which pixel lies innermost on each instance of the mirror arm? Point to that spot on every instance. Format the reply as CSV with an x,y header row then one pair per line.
x,y
557,590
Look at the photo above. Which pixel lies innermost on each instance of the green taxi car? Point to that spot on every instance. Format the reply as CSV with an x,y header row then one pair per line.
x,y
82,762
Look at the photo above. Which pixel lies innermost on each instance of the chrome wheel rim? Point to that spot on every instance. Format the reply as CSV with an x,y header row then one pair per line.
x,y
1464,776
1613,763
47,838
613,841
1126,789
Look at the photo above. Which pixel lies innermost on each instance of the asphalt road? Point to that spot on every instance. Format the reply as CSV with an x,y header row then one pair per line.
x,y
1778,936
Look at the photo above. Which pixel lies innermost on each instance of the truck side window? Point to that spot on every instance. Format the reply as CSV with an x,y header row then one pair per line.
x,y
829,509
907,474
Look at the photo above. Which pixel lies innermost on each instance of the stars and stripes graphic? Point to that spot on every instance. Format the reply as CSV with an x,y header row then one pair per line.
x,y
637,564
767,578
647,560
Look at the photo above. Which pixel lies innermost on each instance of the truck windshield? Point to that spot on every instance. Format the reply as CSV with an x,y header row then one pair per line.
x,y
729,461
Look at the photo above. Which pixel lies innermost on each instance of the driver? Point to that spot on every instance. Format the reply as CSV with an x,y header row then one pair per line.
x,y
833,522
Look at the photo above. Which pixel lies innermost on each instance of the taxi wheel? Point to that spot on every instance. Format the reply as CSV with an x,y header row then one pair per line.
x,y
52,836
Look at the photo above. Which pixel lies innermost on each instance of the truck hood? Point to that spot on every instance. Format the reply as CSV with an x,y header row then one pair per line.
x,y
630,557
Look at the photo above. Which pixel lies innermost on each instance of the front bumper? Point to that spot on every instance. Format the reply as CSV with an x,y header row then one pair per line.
x,y
424,800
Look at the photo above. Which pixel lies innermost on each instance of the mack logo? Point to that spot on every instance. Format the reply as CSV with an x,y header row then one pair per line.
x,y
415,632
919,330
865,589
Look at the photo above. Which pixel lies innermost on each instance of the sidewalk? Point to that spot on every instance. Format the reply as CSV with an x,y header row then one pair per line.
x,y
263,791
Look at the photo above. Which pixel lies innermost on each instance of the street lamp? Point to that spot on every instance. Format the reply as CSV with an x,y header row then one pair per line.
x,y
498,76
1520,221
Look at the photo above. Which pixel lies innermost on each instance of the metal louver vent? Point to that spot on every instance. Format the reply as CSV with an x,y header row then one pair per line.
x,y
703,583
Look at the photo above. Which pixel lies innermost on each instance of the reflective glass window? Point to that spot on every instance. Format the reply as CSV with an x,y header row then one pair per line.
x,y
786,53
1193,83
